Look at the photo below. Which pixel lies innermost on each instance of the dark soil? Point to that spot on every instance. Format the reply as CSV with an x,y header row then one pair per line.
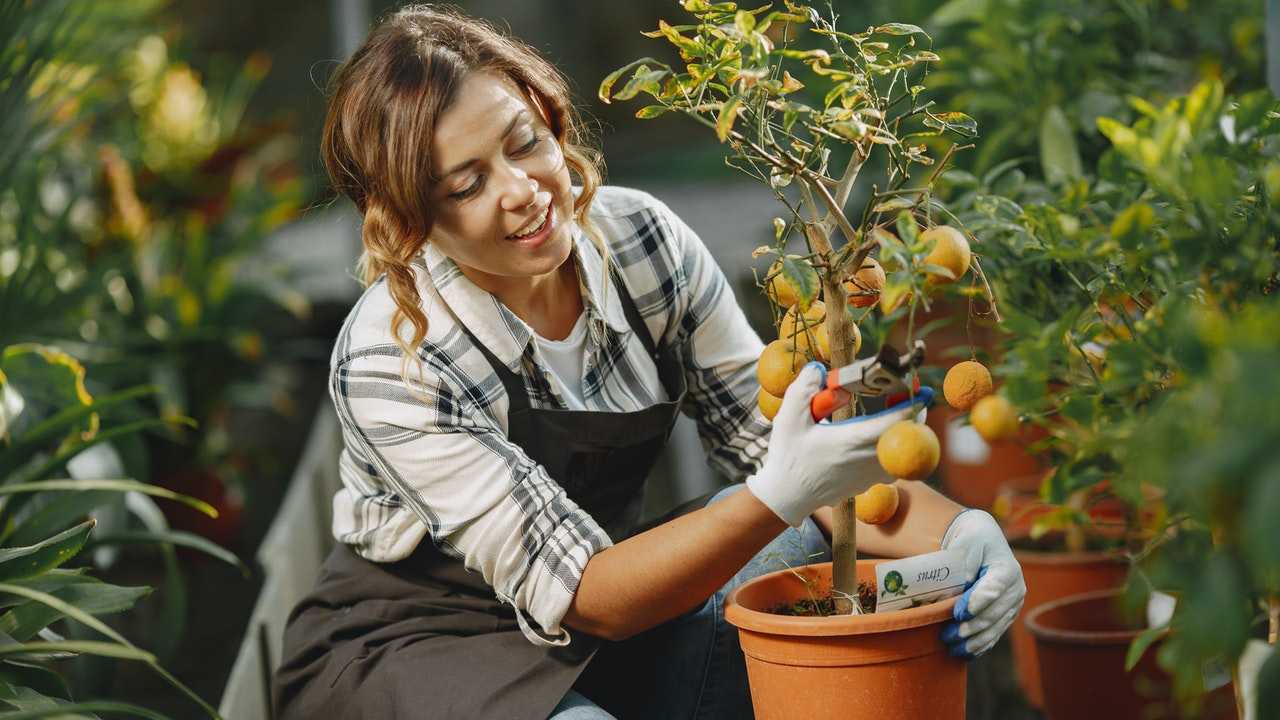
x,y
825,604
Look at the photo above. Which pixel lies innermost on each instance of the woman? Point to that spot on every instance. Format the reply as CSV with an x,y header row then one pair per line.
x,y
504,385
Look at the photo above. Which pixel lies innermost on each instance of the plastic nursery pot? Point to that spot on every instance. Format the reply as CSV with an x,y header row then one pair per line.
x,y
1081,642
851,667
1051,575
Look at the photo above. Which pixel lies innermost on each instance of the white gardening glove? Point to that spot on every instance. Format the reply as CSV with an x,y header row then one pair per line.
x,y
810,464
995,589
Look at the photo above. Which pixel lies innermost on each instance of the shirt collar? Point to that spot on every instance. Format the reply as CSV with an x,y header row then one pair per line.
x,y
501,331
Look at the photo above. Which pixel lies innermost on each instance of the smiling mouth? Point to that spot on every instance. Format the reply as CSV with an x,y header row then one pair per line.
x,y
536,230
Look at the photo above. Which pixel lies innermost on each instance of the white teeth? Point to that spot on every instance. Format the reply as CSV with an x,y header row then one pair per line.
x,y
527,230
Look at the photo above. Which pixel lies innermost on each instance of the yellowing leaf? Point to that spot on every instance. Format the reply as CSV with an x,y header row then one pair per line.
x,y
728,114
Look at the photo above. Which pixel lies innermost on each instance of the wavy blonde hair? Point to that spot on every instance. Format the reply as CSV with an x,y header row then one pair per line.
x,y
384,103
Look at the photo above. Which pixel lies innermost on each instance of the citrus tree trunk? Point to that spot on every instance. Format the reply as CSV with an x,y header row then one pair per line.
x,y
839,324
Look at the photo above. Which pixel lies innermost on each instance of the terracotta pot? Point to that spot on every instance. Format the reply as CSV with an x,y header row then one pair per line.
x,y
1017,510
850,666
973,470
1051,576
1081,642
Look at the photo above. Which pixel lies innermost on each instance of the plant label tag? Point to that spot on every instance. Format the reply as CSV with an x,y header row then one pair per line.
x,y
919,580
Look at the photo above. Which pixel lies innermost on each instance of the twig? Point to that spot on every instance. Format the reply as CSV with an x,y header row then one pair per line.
x,y
986,287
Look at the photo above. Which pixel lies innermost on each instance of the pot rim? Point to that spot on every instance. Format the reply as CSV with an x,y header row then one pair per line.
x,y
1044,633
768,623
1060,557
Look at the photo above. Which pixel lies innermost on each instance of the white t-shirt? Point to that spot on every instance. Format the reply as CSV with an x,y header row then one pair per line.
x,y
564,358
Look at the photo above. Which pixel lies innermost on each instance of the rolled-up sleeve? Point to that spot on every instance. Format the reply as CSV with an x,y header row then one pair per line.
x,y
481,497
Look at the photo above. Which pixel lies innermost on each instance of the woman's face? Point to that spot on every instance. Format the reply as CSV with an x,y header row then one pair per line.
x,y
501,172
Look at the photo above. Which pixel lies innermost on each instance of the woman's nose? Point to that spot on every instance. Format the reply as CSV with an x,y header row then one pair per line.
x,y
519,190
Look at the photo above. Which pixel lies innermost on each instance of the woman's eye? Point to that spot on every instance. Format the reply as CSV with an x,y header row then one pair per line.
x,y
468,192
475,185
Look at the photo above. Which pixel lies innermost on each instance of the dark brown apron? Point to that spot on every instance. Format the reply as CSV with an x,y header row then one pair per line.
x,y
425,638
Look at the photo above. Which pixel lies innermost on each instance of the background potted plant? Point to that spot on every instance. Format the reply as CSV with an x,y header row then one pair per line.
x,y
1176,225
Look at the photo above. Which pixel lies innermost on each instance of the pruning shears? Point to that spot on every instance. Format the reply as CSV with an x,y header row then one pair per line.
x,y
883,374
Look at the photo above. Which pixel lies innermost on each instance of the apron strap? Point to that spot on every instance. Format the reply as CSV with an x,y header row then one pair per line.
x,y
634,319
513,383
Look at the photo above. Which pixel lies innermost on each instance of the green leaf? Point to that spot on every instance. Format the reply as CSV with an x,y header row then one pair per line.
x,y
606,85
64,710
895,203
49,582
90,596
900,29
1059,155
59,512
1139,646
82,647
1132,227
80,602
651,111
955,121
644,80
39,437
908,231
803,278
1269,688
35,677
113,485
30,560
728,114
958,11
744,22
175,537
48,380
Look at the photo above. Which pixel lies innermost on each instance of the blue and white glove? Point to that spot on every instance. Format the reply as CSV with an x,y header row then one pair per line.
x,y
995,589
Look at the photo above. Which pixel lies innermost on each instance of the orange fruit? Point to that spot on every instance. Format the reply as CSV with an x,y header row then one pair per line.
x,y
966,383
779,364
805,330
768,403
877,505
870,278
994,418
949,249
808,331
908,450
781,288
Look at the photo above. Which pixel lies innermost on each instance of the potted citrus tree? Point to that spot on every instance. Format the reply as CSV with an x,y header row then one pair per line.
x,y
1111,345
804,107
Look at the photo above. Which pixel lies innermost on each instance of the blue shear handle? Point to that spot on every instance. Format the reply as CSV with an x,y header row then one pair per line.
x,y
923,397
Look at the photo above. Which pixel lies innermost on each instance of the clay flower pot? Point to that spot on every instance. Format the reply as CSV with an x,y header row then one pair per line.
x,y
1050,576
1081,642
974,470
851,667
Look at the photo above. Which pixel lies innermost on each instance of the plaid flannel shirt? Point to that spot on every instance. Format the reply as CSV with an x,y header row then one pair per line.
x,y
436,463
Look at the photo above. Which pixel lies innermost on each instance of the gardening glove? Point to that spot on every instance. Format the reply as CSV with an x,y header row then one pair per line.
x,y
811,465
995,588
